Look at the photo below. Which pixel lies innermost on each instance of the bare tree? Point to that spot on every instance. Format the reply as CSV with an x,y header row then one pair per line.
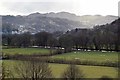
x,y
72,73
33,70
5,72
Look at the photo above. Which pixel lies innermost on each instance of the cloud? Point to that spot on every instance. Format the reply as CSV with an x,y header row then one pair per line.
x,y
79,7
28,7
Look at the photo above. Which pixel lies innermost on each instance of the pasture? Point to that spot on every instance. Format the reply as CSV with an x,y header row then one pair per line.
x,y
89,56
58,69
26,51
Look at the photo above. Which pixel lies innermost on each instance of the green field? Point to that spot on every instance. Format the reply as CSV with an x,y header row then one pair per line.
x,y
76,55
58,69
89,56
26,51
88,71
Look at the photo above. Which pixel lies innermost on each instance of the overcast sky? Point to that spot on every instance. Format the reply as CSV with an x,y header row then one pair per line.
x,y
78,7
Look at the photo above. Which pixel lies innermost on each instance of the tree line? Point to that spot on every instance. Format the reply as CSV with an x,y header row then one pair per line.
x,y
100,37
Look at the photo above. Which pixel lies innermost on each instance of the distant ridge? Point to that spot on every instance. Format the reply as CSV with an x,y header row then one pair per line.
x,y
52,22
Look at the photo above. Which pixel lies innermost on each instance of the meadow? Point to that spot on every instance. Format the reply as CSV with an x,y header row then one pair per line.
x,y
25,51
98,56
58,69
89,56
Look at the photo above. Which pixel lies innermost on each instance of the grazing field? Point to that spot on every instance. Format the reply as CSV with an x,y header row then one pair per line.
x,y
58,69
26,51
76,55
89,56
88,71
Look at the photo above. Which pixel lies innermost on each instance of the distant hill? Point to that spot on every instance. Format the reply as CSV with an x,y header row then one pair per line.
x,y
36,23
113,28
51,22
87,20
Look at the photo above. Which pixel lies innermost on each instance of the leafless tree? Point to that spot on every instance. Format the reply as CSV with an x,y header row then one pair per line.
x,y
33,70
72,73
5,72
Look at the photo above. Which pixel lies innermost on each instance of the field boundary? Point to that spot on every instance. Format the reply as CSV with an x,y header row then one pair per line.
x,y
61,61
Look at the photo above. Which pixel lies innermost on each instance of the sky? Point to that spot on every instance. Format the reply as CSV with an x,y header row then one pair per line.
x,y
78,7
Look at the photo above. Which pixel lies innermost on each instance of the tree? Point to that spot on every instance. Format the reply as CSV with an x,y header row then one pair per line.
x,y
52,41
16,40
21,40
66,41
97,37
26,39
72,73
33,70
6,39
83,38
42,38
5,72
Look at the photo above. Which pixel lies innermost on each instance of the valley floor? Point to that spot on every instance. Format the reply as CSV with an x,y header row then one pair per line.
x,y
57,69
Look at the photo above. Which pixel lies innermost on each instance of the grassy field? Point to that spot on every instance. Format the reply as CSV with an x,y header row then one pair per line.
x,y
88,71
58,69
90,56
26,51
76,55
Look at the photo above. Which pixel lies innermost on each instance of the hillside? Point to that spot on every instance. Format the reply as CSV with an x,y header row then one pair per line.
x,y
51,22
36,23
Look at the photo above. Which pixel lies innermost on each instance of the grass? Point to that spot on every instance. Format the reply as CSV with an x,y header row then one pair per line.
x,y
89,56
88,71
58,69
79,55
26,51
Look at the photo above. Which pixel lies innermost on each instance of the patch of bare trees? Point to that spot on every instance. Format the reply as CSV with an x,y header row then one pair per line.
x,y
72,72
33,70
